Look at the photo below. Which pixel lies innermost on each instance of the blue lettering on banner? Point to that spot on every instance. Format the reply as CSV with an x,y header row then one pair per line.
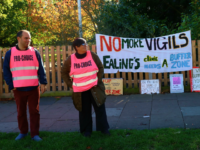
x,y
152,66
178,62
180,56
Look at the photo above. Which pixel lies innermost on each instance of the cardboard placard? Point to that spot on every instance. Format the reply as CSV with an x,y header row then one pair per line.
x,y
176,83
150,86
113,86
195,79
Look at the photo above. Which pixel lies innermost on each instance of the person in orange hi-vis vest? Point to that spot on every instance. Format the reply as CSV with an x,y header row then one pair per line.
x,y
83,72
23,70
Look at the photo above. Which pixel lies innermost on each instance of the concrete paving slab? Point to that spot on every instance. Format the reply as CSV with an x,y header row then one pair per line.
x,y
188,96
119,104
167,96
117,98
71,114
165,107
65,100
140,98
16,130
8,107
190,111
192,121
45,124
10,118
112,112
112,121
65,126
140,108
55,111
47,100
123,112
132,123
43,107
4,114
8,126
189,103
166,121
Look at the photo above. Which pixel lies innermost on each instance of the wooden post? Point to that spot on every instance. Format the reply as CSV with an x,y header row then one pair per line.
x,y
47,67
118,74
59,68
198,52
129,79
64,58
153,75
53,71
135,80
6,86
141,75
124,79
160,77
165,79
69,53
94,48
194,52
41,52
146,76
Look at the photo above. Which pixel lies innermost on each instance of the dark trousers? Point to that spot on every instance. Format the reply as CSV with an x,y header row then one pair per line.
x,y
31,98
85,116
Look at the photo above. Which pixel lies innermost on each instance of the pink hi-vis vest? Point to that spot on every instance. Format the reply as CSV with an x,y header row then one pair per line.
x,y
83,72
24,67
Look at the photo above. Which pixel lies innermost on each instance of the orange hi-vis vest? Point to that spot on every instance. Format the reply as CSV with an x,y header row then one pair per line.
x,y
24,67
83,72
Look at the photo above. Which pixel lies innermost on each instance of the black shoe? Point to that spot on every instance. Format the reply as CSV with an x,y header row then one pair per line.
x,y
106,132
87,134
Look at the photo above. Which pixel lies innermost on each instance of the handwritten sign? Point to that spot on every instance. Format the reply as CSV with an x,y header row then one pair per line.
x,y
195,79
150,86
176,83
113,86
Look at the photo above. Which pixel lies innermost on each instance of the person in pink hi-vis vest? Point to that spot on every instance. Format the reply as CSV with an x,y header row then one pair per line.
x,y
23,70
83,72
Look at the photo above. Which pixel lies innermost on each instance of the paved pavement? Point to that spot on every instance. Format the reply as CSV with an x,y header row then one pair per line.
x,y
123,112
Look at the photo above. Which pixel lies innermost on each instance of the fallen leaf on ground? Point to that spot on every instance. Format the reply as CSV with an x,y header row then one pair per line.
x,y
88,147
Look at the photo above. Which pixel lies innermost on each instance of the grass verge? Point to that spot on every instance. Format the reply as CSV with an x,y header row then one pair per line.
x,y
163,139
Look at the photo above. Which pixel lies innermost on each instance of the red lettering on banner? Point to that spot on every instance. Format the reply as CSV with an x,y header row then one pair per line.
x,y
116,91
109,47
119,46
110,44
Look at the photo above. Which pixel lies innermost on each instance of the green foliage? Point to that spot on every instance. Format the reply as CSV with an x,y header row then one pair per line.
x,y
12,23
139,19
191,21
161,10
4,6
125,21
126,18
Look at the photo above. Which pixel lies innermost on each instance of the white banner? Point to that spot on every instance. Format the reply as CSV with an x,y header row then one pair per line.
x,y
169,53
